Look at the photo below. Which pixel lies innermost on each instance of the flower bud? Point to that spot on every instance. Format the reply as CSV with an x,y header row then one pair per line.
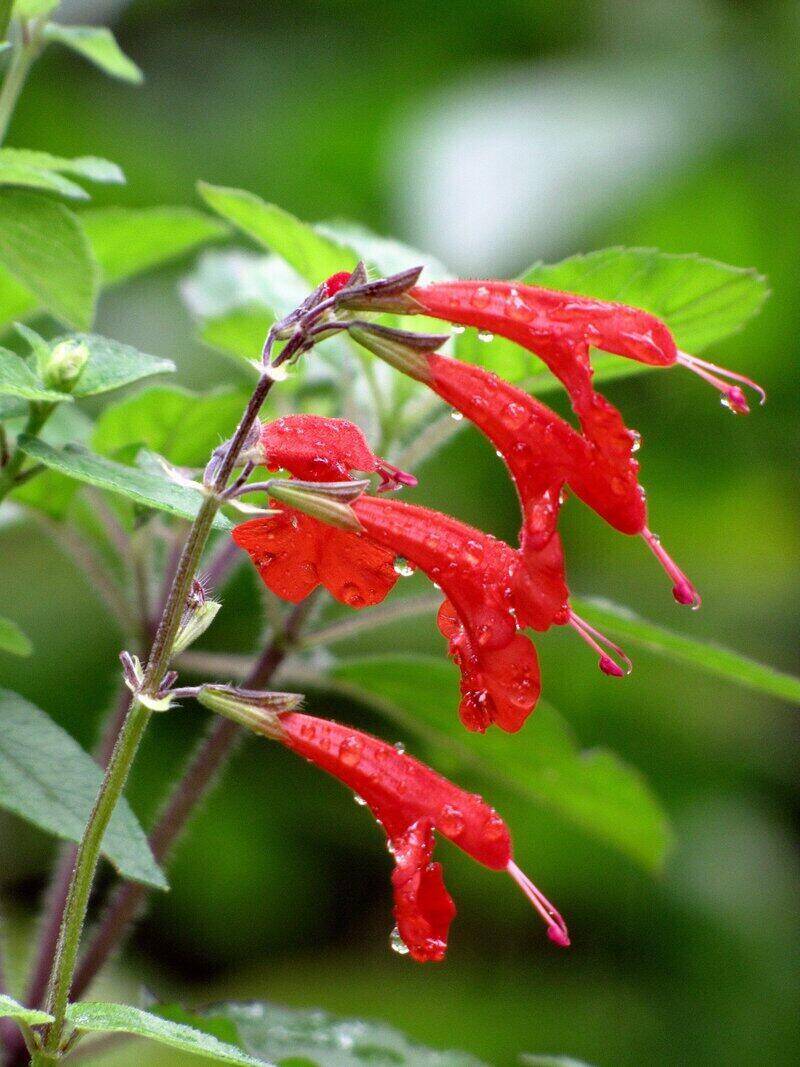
x,y
195,623
385,294
64,365
258,711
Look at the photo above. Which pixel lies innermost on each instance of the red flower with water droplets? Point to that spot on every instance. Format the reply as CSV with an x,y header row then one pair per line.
x,y
490,596
295,553
560,328
412,803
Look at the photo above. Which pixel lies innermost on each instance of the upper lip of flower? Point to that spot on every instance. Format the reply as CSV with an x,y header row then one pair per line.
x,y
411,801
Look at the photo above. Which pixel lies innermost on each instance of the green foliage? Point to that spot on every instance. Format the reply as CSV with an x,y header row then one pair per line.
x,y
286,1035
112,364
40,170
43,247
702,301
31,9
708,657
47,779
12,639
143,487
177,424
10,1009
99,46
100,1018
543,762
17,379
313,255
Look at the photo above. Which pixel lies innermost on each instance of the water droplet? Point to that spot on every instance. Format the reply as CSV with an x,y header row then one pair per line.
x,y
485,335
495,828
456,416
451,821
403,567
352,595
459,329
359,800
399,747
636,440
350,751
498,453
481,298
515,415
473,553
397,943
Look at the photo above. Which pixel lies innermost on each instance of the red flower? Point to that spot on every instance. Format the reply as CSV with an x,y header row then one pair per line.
x,y
490,596
561,327
411,801
295,553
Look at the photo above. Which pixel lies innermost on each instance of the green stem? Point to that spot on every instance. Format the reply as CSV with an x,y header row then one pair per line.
x,y
130,736
37,417
25,51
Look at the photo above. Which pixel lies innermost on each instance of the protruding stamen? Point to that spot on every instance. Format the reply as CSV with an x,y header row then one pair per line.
x,y
683,590
602,645
732,396
556,927
393,478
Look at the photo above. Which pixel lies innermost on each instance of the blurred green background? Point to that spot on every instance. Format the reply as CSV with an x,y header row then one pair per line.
x,y
491,135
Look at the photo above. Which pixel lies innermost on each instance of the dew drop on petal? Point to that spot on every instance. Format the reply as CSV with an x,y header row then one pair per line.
x,y
456,416
399,747
458,329
350,751
485,335
359,800
481,298
403,567
636,440
451,821
398,945
352,595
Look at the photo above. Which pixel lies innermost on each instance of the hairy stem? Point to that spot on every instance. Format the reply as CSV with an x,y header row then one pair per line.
x,y
197,780
133,729
37,417
25,51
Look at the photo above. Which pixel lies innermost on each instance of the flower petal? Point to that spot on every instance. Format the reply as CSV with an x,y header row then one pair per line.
x,y
423,909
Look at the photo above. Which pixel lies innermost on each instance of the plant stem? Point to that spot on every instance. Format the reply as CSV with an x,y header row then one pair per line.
x,y
198,778
133,730
25,51
37,417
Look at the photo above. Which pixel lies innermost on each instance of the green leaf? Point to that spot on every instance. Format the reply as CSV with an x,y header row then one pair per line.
x,y
239,333
112,364
704,655
40,170
595,789
142,487
177,424
17,379
99,46
385,254
10,1009
127,241
313,255
47,779
100,1018
12,639
287,1035
31,9
702,301
44,248
530,1059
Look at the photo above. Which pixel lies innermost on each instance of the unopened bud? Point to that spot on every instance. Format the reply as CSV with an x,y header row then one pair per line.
x,y
195,622
258,711
327,501
65,364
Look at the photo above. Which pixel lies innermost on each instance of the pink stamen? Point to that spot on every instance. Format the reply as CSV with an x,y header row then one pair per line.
x,y
393,478
556,927
683,590
732,396
597,640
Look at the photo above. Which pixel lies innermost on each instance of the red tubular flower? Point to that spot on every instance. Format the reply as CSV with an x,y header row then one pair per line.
x,y
561,327
490,595
295,553
411,802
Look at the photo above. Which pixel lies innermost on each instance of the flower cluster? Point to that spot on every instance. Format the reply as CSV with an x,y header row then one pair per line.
x,y
493,591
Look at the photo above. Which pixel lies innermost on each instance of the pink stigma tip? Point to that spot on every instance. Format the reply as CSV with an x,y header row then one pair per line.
x,y
556,927
683,590
601,645
392,478
732,395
